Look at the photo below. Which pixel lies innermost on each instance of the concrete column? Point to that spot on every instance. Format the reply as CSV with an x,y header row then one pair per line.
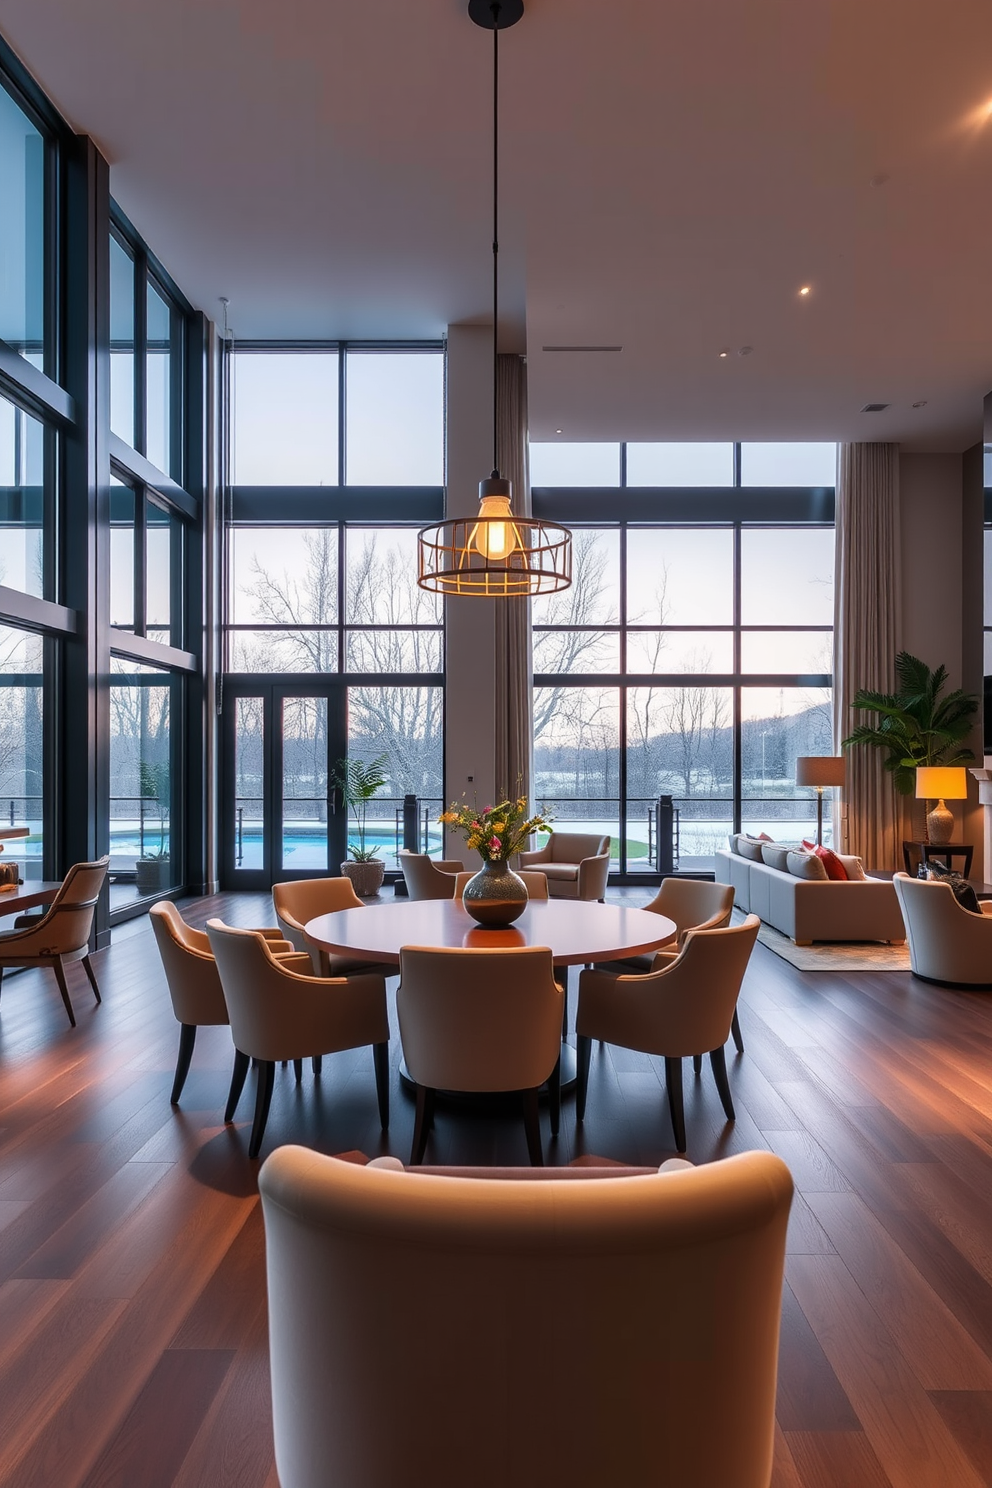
x,y
470,719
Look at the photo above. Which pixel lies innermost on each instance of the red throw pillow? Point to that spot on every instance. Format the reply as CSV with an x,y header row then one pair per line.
x,y
831,862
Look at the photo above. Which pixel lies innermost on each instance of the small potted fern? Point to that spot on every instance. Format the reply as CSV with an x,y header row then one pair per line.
x,y
358,783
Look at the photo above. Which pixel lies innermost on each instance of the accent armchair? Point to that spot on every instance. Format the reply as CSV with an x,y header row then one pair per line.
x,y
62,933
947,944
299,900
576,864
389,1290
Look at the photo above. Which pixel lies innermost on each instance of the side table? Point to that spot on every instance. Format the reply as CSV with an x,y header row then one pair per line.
x,y
915,853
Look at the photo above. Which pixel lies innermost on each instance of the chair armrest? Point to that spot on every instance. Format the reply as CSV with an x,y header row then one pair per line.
x,y
293,960
593,873
269,932
541,855
985,905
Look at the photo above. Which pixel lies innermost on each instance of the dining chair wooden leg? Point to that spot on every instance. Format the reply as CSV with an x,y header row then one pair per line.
x,y
554,1097
318,1063
697,1064
422,1123
298,1069
673,1083
380,1054
719,1062
735,1029
583,1055
238,1076
88,968
263,1098
59,970
532,1126
187,1038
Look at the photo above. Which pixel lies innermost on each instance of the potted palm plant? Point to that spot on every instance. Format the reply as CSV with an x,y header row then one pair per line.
x,y
358,783
916,725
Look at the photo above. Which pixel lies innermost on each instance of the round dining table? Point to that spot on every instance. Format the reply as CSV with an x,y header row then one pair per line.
x,y
577,933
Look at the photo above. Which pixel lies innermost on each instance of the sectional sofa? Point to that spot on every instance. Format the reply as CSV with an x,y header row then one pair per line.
x,y
808,910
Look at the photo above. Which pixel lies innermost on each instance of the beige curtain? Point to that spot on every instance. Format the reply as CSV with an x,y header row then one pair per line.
x,y
866,639
513,667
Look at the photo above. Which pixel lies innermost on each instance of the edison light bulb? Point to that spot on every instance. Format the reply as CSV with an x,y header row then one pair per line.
x,y
495,537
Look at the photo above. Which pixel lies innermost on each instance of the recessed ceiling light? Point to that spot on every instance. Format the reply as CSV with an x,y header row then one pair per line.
x,y
559,431
723,353
805,291
874,408
921,404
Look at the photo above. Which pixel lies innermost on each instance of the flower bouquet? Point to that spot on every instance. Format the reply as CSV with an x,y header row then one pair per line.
x,y
495,896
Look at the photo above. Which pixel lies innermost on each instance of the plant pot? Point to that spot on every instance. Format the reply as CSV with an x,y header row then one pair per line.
x,y
151,875
495,896
366,878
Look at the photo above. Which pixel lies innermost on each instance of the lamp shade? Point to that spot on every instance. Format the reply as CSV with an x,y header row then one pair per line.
x,y
821,770
941,783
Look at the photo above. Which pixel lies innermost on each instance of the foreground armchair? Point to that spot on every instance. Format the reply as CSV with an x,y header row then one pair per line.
x,y
947,944
62,933
576,864
280,1013
409,1313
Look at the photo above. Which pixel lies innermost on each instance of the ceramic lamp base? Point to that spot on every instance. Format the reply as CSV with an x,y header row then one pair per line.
x,y
940,824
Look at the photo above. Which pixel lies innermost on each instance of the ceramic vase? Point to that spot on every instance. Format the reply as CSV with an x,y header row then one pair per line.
x,y
495,896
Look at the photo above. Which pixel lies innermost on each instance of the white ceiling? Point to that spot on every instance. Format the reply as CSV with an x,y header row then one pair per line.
x,y
672,174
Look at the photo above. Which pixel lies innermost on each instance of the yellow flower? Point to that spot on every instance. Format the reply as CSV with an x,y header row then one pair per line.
x,y
498,826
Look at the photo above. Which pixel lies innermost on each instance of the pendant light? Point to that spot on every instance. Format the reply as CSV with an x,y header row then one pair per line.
x,y
495,554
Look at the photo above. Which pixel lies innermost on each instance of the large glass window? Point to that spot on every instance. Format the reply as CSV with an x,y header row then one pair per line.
x,y
21,747
142,859
22,500
680,464
395,418
146,344
122,394
574,464
22,232
146,564
158,380
285,424
691,662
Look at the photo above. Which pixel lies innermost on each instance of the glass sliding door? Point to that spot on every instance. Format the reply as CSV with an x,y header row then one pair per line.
x,y
143,852
304,786
21,751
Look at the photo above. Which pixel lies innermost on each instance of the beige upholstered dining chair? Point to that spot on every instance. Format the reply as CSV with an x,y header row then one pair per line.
x,y
481,1020
428,878
537,883
661,1295
194,986
685,1008
62,933
947,943
278,1012
694,904
299,900
576,864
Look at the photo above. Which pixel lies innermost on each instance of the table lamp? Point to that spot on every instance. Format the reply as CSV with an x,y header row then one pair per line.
x,y
821,771
941,783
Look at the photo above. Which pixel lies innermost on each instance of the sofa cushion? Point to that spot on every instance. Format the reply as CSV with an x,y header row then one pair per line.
x,y
560,872
775,855
750,847
854,867
831,862
807,865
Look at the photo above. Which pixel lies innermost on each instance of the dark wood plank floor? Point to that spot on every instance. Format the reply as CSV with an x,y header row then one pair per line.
x,y
132,1309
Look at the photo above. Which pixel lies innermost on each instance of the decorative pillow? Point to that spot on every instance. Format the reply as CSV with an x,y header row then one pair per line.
x,y
854,867
835,868
774,855
749,847
962,889
733,842
807,865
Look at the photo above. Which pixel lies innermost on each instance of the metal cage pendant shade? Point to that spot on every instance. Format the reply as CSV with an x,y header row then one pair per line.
x,y
495,554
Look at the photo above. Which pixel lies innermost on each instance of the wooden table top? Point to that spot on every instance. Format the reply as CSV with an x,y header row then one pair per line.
x,y
6,833
28,895
576,931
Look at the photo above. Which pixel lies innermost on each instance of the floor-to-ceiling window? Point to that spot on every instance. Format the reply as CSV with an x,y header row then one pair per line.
x,y
692,657
333,651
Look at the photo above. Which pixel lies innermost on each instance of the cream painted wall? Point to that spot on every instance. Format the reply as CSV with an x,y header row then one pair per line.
x,y
469,763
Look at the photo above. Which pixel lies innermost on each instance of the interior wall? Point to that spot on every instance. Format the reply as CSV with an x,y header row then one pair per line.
x,y
936,521
470,636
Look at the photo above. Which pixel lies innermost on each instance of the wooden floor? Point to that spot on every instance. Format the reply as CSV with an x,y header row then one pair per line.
x,y
132,1308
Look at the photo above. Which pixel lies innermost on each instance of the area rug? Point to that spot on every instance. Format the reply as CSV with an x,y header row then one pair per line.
x,y
850,955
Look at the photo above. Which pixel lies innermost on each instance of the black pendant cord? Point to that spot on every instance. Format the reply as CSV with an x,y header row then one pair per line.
x,y
495,10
